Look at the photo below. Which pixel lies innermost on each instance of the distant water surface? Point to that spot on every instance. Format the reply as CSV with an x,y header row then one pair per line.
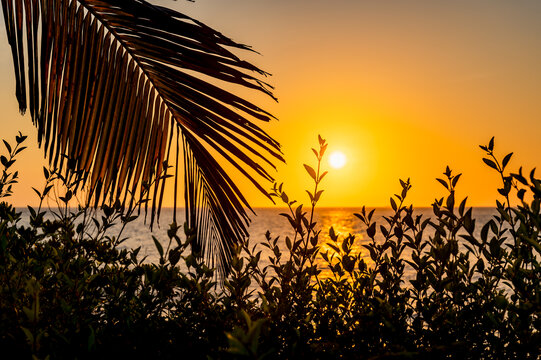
x,y
342,220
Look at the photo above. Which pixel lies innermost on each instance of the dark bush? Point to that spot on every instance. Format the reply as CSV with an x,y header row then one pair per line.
x,y
67,290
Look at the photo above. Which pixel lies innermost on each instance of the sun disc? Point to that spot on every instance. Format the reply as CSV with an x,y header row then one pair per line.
x,y
337,160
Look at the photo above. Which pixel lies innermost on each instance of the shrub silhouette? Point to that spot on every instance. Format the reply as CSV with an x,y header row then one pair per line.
x,y
473,290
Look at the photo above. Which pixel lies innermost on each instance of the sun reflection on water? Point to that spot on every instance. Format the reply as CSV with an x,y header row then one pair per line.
x,y
344,223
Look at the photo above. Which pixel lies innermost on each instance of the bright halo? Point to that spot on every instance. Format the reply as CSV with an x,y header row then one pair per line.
x,y
337,160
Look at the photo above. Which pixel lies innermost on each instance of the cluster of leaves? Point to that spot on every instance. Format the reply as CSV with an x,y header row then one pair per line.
x,y
68,290
433,288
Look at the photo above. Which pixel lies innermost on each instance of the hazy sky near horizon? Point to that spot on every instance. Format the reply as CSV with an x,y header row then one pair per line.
x,y
402,88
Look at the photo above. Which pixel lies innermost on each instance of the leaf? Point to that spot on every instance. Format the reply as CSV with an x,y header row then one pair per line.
x,y
28,333
491,144
444,183
332,234
462,206
20,149
325,256
519,177
490,163
506,159
348,263
480,265
32,211
370,214
314,240
455,180
47,189
159,246
112,85
450,201
371,230
37,192
447,171
7,146
318,195
311,172
484,231
334,247
393,204
503,192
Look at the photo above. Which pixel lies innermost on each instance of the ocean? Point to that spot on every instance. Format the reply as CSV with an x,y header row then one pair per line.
x,y
342,220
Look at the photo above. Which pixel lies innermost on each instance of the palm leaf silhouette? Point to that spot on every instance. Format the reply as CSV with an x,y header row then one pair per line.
x,y
111,85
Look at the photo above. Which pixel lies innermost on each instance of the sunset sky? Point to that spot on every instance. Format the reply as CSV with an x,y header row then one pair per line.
x,y
401,88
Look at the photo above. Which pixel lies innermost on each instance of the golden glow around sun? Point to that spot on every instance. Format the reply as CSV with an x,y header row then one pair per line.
x,y
337,160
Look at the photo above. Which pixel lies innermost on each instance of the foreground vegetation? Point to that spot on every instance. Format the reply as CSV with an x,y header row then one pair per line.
x,y
67,290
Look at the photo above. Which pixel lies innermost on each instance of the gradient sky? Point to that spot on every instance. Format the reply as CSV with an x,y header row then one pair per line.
x,y
403,88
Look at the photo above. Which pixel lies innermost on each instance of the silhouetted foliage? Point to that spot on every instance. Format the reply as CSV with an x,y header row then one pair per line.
x,y
67,290
112,85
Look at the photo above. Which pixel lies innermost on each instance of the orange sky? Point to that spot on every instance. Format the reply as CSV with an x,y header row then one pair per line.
x,y
402,88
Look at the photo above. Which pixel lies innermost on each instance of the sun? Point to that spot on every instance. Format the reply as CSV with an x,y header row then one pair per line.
x,y
337,160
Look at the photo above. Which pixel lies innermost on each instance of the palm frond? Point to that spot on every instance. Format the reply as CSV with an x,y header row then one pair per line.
x,y
109,83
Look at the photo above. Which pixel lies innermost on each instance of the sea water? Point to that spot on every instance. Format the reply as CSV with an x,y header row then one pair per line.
x,y
343,221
